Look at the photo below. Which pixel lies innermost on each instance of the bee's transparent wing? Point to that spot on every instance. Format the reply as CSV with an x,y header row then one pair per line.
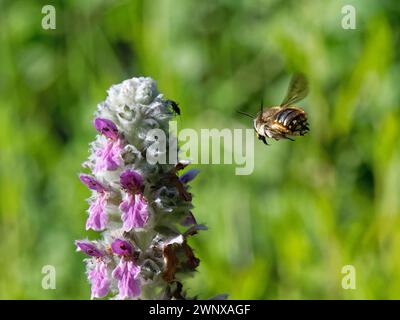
x,y
298,90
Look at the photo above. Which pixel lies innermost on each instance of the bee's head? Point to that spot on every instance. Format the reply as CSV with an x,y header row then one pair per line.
x,y
259,127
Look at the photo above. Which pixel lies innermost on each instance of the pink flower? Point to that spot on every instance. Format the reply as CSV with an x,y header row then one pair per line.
x,y
131,181
109,156
127,275
134,212
134,206
97,219
99,280
91,182
122,247
106,127
89,248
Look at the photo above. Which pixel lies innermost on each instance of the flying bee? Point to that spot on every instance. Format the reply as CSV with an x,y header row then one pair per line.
x,y
174,106
285,120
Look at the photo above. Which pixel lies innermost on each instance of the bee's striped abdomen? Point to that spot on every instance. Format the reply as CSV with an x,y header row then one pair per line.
x,y
294,120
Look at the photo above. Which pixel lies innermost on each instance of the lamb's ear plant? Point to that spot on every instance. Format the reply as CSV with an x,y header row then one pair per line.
x,y
142,208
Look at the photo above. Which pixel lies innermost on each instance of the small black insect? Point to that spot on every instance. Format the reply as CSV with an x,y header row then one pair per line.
x,y
174,106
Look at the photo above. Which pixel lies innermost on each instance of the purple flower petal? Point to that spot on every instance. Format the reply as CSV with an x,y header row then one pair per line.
x,y
189,176
91,182
131,181
89,248
189,220
127,275
109,157
97,219
134,212
106,127
121,247
99,280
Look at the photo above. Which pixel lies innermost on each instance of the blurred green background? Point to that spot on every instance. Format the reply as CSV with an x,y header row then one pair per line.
x,y
310,207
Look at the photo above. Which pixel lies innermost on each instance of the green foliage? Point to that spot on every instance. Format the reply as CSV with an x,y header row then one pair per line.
x,y
310,207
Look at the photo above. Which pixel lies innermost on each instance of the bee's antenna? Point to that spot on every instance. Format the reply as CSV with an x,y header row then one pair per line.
x,y
245,114
261,105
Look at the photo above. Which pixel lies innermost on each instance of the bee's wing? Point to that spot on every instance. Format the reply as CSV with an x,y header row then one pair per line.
x,y
298,90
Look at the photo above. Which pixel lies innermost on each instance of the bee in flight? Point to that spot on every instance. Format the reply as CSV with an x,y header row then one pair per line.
x,y
285,120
